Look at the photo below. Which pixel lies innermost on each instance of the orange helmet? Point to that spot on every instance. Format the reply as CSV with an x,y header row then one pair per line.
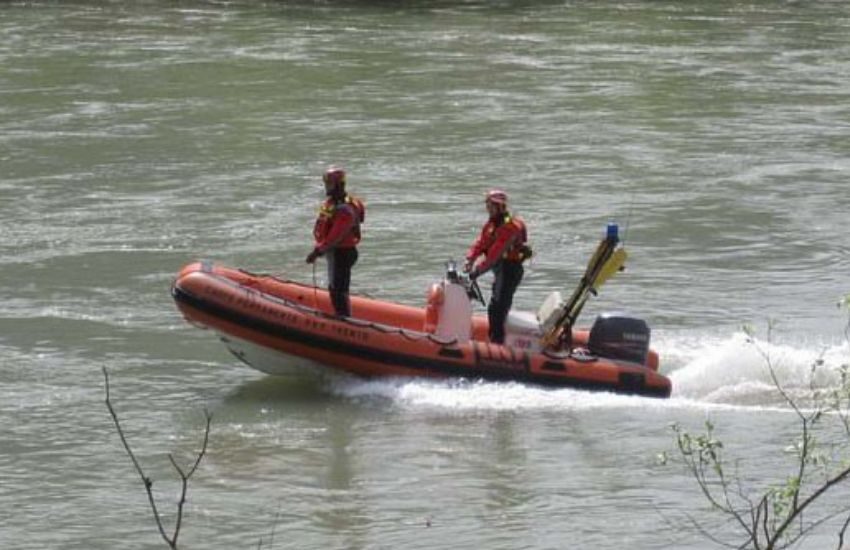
x,y
334,176
497,196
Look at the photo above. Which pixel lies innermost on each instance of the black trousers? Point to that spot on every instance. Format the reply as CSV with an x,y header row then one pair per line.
x,y
340,262
508,275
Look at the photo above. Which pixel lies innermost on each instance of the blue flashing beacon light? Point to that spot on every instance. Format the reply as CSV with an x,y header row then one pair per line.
x,y
613,232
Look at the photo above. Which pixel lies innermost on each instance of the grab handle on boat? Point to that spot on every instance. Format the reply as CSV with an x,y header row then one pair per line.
x,y
474,291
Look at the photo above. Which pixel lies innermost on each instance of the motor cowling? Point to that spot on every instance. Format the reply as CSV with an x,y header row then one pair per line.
x,y
617,336
448,313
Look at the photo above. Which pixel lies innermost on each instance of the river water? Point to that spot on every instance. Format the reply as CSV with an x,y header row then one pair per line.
x,y
136,137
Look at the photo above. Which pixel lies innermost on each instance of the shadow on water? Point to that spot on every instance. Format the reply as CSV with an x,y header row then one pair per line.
x,y
507,479
274,390
395,5
344,8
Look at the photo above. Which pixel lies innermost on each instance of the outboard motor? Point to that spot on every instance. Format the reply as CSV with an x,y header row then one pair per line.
x,y
616,336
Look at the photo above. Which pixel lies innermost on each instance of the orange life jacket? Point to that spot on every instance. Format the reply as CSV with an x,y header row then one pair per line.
x,y
339,222
518,251
492,234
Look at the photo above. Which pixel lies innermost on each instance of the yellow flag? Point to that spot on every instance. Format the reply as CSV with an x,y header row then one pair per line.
x,y
612,266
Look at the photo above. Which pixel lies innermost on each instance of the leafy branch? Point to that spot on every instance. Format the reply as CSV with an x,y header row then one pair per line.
x,y
777,518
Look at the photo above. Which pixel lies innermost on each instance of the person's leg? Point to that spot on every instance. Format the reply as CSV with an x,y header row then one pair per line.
x,y
330,257
340,280
333,269
507,278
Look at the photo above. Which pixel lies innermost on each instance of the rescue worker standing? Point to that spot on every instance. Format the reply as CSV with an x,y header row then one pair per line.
x,y
503,243
337,233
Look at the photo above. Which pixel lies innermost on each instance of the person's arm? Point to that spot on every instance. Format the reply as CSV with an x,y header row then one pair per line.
x,y
505,236
478,248
320,229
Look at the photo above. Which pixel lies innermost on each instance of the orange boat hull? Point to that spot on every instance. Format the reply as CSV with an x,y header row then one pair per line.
x,y
280,326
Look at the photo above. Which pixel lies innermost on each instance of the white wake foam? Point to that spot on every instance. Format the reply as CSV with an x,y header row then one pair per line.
x,y
737,369
462,395
707,372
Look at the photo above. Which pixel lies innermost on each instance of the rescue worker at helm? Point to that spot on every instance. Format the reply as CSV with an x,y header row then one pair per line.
x,y
503,243
337,233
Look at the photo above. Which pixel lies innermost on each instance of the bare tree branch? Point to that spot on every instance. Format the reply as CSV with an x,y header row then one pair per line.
x,y
148,483
842,532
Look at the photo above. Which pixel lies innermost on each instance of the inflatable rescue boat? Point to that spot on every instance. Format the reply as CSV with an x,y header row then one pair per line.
x,y
280,327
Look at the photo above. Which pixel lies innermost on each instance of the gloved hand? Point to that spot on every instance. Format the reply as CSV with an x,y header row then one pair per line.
x,y
311,257
467,267
474,274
